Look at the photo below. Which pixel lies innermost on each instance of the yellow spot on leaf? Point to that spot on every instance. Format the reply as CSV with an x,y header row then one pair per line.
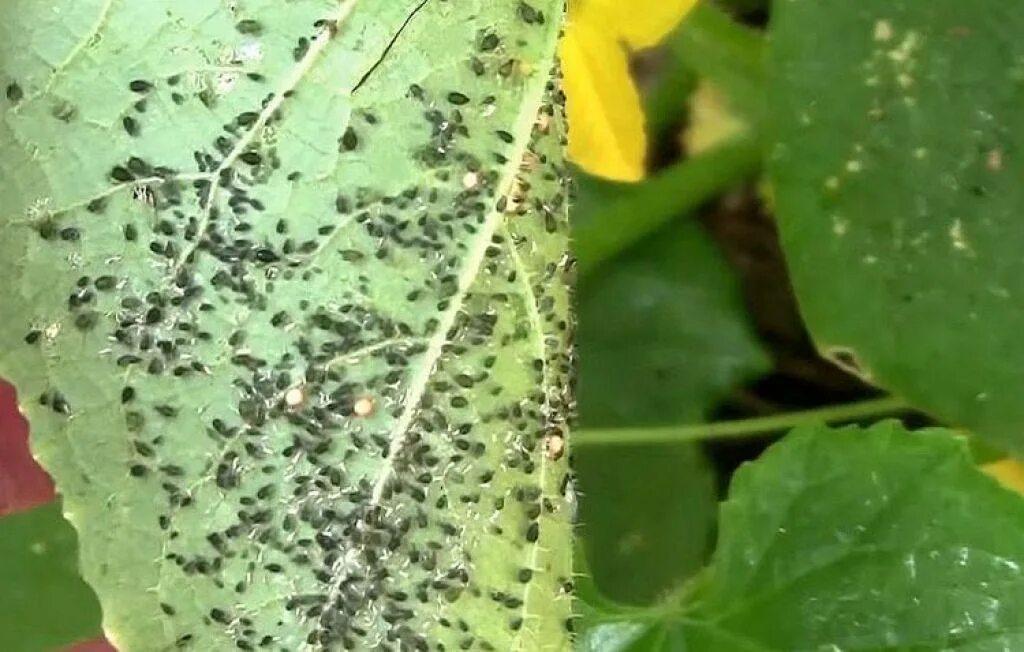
x,y
1009,473
606,122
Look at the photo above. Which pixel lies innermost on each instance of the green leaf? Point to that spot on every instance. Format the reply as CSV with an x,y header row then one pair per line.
x,y
44,603
663,337
725,52
853,539
286,299
647,516
896,168
663,333
643,209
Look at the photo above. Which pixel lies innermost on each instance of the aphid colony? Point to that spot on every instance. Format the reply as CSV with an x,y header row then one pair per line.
x,y
382,438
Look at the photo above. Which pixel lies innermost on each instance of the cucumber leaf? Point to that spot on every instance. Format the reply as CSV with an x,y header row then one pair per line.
x,y
286,300
898,137
848,539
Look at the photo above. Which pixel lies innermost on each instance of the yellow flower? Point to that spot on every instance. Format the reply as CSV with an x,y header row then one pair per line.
x,y
606,122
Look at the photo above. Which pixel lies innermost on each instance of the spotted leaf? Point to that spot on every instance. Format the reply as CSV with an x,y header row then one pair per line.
x,y
286,306
898,196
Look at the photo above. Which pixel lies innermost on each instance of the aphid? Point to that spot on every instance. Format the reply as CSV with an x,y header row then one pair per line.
x,y
250,27
131,125
137,470
140,86
533,532
301,49
247,119
330,25
47,229
265,255
489,42
14,92
349,140
529,14
120,173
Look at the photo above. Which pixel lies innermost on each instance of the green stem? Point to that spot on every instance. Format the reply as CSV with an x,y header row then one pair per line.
x,y
726,52
713,45
641,210
738,429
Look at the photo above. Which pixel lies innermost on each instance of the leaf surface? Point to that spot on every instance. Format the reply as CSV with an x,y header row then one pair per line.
x,y
286,303
663,332
663,337
44,603
849,539
898,138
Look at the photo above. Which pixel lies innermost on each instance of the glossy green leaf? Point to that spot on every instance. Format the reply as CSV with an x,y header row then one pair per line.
x,y
896,166
44,603
286,301
856,540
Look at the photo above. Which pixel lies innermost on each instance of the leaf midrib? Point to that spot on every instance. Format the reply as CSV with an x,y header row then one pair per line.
x,y
294,78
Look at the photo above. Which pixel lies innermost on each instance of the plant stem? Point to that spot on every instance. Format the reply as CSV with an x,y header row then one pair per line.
x,y
737,429
727,53
641,210
710,43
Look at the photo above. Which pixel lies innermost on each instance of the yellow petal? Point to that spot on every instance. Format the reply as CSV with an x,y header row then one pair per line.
x,y
641,24
1010,473
606,123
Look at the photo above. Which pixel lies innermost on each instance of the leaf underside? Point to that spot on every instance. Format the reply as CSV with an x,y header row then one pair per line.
x,y
286,304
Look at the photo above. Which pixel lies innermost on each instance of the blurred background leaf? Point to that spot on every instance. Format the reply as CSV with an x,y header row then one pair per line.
x,y
663,337
663,333
44,603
